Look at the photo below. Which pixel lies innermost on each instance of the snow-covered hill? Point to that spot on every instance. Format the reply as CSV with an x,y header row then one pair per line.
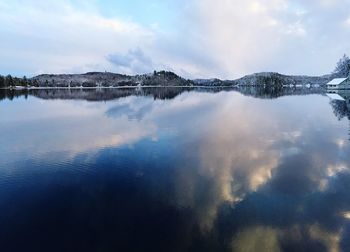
x,y
100,79
162,79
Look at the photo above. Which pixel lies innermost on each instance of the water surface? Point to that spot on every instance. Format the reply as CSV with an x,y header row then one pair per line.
x,y
174,170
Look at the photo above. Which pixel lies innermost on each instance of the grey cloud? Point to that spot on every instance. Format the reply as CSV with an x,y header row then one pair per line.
x,y
134,60
236,38
207,38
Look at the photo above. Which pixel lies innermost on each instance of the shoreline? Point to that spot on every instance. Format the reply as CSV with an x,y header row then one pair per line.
x,y
122,87
154,86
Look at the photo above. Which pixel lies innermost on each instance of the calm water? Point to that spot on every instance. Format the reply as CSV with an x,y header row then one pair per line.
x,y
169,170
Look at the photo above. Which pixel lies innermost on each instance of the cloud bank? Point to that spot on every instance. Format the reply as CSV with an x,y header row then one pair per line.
x,y
206,38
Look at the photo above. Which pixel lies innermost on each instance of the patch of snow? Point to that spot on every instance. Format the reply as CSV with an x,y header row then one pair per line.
x,y
337,81
335,97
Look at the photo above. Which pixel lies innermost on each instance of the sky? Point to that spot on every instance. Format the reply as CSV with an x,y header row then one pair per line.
x,y
194,38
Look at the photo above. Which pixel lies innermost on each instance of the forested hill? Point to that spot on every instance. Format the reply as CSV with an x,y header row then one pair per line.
x,y
276,79
170,79
97,79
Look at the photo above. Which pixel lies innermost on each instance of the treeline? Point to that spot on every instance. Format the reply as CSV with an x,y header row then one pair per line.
x,y
343,67
165,78
11,82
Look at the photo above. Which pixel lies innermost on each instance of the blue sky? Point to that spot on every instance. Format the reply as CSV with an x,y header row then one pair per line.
x,y
194,38
144,12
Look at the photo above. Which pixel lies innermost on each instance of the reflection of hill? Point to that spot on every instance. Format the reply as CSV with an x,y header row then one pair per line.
x,y
92,94
275,92
162,93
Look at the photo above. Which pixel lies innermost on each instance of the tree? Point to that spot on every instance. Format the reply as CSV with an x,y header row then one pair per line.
x,y
343,67
25,81
9,81
36,83
2,82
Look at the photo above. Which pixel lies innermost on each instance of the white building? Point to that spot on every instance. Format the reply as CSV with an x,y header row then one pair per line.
x,y
339,83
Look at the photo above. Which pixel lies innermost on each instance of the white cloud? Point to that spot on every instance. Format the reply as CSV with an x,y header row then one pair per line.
x,y
60,38
207,38
347,21
134,60
270,35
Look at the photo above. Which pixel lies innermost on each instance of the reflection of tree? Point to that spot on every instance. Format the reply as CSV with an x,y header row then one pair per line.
x,y
340,109
272,92
93,94
11,93
161,93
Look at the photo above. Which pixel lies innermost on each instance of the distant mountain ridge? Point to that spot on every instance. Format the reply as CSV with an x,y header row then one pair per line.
x,y
163,78
170,79
158,79
107,79
277,79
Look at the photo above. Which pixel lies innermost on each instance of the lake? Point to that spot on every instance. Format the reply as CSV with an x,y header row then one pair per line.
x,y
174,170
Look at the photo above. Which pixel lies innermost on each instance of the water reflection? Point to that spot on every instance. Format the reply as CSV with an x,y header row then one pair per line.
x,y
107,94
194,170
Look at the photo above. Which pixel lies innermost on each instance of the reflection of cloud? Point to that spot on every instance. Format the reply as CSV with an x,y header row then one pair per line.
x,y
70,127
135,109
238,159
346,215
261,239
334,169
253,145
305,221
331,241
269,239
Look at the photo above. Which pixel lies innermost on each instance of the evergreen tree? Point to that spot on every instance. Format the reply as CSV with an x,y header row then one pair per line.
x,y
2,82
17,81
9,81
25,81
35,83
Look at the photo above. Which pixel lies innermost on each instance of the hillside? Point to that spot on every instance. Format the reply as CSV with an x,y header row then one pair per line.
x,y
170,79
157,79
99,79
276,79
